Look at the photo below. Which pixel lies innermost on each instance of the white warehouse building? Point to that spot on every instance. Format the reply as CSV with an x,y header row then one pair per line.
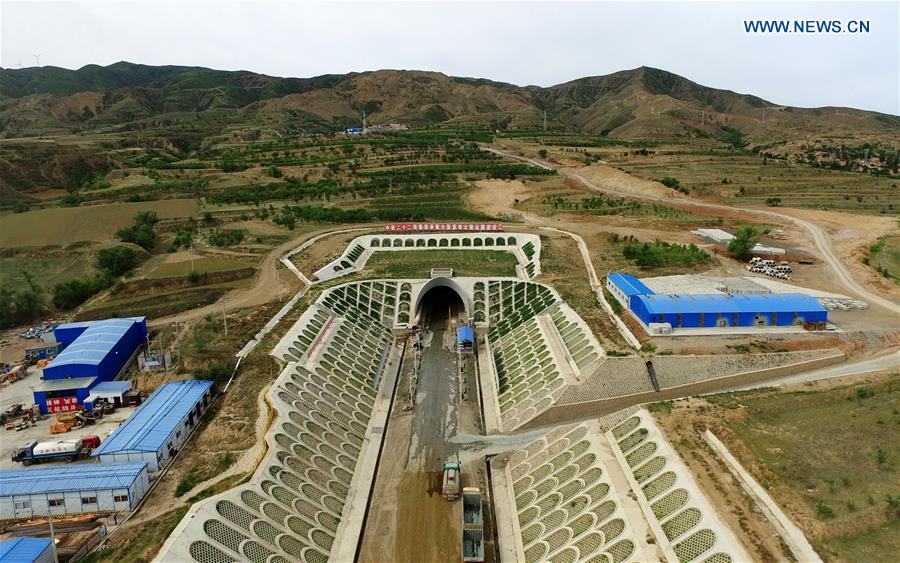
x,y
76,488
157,430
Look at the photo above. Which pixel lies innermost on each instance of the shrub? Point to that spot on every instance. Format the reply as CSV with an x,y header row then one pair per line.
x,y
21,305
661,253
72,293
116,260
743,242
141,232
226,237
823,510
670,182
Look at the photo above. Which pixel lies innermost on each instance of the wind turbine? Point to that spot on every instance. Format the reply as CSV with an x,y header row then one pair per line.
x,y
37,58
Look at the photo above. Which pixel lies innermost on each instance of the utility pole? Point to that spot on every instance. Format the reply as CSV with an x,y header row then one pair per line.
x,y
224,319
701,118
52,535
545,119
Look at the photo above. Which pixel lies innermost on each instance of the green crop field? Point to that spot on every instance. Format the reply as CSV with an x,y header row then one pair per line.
x,y
99,223
45,270
418,263
200,265
751,179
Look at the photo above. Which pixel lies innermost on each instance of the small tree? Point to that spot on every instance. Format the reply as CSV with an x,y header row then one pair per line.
x,y
743,242
542,153
116,260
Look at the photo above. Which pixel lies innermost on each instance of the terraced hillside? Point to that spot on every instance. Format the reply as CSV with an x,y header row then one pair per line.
x,y
298,505
586,493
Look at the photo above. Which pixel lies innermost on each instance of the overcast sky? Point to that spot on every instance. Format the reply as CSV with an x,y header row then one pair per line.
x,y
522,43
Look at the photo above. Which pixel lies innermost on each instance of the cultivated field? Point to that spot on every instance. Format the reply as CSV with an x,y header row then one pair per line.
x,y
201,265
65,225
752,180
46,269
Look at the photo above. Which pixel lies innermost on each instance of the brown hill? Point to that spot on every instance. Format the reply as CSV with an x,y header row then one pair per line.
x,y
634,104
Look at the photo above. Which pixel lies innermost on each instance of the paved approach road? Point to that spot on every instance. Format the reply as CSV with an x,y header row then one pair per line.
x,y
820,238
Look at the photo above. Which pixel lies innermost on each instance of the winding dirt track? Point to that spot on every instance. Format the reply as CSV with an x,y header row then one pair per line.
x,y
819,237
266,287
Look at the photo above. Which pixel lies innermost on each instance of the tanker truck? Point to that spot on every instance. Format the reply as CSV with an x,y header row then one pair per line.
x,y
36,452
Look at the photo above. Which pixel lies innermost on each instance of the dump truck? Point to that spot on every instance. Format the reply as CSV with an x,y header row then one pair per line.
x,y
36,452
450,489
473,525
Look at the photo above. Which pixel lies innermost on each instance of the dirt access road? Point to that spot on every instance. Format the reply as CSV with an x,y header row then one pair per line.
x,y
268,285
819,237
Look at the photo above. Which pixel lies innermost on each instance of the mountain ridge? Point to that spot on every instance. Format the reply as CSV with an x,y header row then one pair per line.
x,y
643,102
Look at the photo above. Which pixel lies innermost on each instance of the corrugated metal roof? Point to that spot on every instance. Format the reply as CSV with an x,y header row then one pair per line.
x,y
629,284
112,387
22,550
150,426
465,333
64,384
95,343
725,303
73,477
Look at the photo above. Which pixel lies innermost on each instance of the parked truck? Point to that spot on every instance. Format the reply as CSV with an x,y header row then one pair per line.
x,y
473,525
36,452
450,489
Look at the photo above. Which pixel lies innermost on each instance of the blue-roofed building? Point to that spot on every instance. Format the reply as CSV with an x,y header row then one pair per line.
x,y
158,428
94,352
729,310
75,488
113,392
661,312
465,338
625,286
27,550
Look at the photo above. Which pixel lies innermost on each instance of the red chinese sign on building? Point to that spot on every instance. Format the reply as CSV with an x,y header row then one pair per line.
x,y
443,227
62,404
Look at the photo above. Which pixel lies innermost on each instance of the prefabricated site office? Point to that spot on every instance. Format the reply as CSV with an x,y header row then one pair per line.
x,y
74,488
158,428
27,550
715,309
93,352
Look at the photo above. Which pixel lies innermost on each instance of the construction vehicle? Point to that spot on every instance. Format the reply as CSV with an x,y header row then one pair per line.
x,y
36,452
64,422
13,411
473,525
452,478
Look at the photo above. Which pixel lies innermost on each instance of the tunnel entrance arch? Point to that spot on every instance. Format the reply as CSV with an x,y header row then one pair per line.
x,y
448,283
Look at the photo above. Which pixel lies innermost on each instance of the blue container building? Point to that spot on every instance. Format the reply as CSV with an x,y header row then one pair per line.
x,y
95,352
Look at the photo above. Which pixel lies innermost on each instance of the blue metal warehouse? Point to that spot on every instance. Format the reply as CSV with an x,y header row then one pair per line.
x,y
94,352
717,309
27,550
160,425
625,286
72,489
